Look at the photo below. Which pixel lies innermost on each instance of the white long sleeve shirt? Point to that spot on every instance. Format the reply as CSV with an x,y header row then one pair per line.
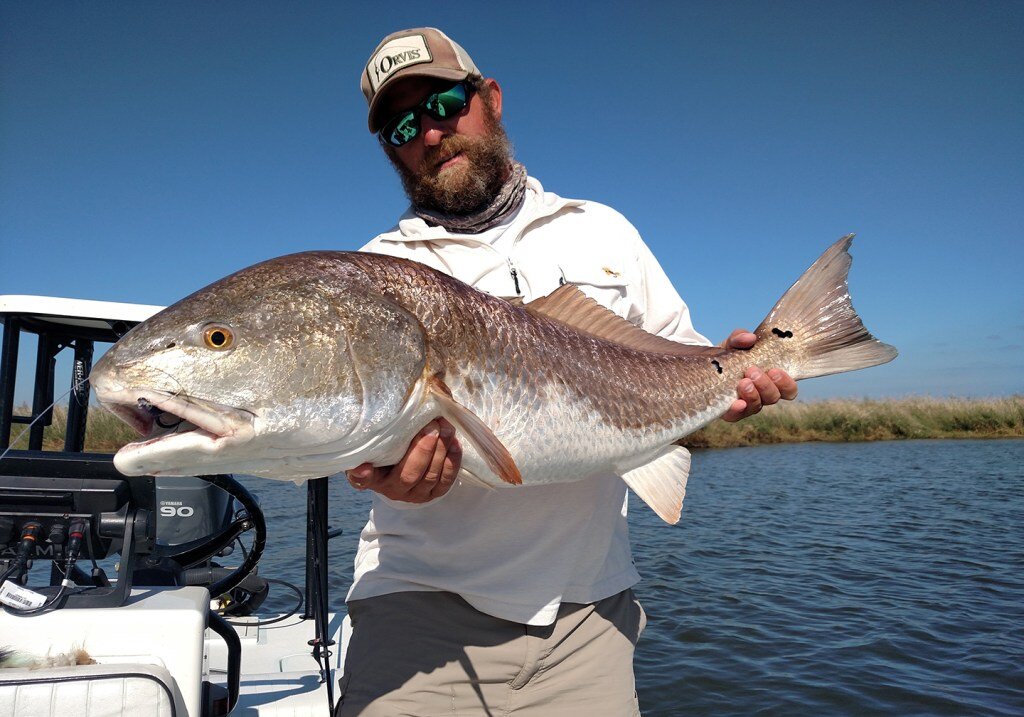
x,y
518,553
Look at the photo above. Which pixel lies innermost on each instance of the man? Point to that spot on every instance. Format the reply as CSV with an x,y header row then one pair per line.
x,y
515,601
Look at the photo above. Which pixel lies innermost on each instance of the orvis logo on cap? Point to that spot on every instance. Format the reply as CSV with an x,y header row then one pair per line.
x,y
395,55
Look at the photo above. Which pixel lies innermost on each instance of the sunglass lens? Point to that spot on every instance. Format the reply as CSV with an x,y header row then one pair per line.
x,y
447,104
402,129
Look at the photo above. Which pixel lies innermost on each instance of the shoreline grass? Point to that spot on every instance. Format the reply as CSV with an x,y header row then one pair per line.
x,y
846,420
836,420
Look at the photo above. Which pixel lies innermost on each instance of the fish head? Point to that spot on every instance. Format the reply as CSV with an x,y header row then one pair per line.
x,y
273,362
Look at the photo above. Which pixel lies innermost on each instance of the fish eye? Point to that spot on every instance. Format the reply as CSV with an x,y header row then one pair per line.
x,y
218,337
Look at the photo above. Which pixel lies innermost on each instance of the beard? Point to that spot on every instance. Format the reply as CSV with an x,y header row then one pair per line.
x,y
467,186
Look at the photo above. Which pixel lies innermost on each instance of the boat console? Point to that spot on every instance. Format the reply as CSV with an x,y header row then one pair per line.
x,y
160,645
62,508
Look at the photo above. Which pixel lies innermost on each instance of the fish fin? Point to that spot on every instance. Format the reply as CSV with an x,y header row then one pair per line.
x,y
570,306
817,315
474,479
661,483
482,438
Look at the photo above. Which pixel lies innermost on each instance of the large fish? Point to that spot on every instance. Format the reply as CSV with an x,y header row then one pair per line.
x,y
314,363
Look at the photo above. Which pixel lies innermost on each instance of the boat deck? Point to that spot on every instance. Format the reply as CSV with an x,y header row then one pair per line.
x,y
280,677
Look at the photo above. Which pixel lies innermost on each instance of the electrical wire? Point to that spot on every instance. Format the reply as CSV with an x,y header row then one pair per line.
x,y
26,550
279,618
241,546
10,571
74,549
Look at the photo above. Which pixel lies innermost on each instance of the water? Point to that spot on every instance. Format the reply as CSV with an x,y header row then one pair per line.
x,y
824,579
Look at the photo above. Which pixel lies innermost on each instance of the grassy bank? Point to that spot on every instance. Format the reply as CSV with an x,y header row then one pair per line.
x,y
104,432
865,420
836,420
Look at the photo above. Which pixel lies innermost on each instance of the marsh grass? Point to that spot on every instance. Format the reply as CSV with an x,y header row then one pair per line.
x,y
834,420
104,432
869,420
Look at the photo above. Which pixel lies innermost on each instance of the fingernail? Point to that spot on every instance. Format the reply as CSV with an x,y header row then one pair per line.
x,y
433,431
775,374
755,373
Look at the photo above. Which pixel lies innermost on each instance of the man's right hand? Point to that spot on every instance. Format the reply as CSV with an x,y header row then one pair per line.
x,y
427,470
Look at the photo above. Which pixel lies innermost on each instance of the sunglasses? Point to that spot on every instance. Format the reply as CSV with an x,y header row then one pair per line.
x,y
405,126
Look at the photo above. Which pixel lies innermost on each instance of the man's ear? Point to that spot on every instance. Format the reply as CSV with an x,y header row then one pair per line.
x,y
495,98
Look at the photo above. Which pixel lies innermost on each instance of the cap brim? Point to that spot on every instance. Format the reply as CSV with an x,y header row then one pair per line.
x,y
375,121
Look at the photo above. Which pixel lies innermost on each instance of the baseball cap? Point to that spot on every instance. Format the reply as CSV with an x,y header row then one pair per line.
x,y
419,52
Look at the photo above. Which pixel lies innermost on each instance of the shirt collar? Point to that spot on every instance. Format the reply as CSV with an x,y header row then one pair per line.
x,y
537,204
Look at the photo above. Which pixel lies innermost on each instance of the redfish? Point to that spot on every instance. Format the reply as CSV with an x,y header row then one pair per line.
x,y
314,363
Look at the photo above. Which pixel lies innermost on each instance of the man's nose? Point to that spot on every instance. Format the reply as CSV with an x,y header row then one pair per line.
x,y
433,130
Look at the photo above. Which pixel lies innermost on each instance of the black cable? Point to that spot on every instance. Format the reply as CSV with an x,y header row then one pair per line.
x,y
10,571
45,607
241,546
98,575
279,618
30,532
92,551
73,551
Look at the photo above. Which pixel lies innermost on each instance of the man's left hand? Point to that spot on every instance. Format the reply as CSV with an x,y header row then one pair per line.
x,y
757,388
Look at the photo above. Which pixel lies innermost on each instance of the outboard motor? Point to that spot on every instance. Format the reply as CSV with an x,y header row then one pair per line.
x,y
189,508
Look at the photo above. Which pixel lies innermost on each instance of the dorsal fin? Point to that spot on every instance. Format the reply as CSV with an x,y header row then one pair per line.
x,y
570,306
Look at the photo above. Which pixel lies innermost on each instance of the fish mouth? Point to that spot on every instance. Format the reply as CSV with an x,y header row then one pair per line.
x,y
179,435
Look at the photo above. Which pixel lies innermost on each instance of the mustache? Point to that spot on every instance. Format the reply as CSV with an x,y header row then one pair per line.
x,y
447,148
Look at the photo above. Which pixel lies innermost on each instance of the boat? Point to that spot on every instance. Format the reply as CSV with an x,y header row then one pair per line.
x,y
170,629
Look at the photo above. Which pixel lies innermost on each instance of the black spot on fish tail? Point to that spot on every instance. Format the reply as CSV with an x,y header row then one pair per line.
x,y
717,365
783,334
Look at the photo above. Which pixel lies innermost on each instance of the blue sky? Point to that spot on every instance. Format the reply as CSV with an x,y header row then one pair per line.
x,y
147,149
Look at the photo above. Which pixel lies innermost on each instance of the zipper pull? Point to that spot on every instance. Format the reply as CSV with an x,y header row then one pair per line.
x,y
515,276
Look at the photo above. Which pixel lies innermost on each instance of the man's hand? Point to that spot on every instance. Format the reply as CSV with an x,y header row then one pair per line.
x,y
758,388
427,470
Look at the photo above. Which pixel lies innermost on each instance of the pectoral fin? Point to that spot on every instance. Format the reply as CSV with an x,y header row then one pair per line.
x,y
662,482
475,431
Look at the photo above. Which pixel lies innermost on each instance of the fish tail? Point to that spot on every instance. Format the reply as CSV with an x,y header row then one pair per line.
x,y
817,315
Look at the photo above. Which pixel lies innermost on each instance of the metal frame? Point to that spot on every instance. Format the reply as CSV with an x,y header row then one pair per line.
x,y
53,337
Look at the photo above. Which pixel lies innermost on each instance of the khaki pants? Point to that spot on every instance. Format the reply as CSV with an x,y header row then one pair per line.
x,y
425,654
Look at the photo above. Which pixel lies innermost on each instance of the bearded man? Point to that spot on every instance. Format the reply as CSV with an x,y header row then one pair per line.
x,y
472,601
